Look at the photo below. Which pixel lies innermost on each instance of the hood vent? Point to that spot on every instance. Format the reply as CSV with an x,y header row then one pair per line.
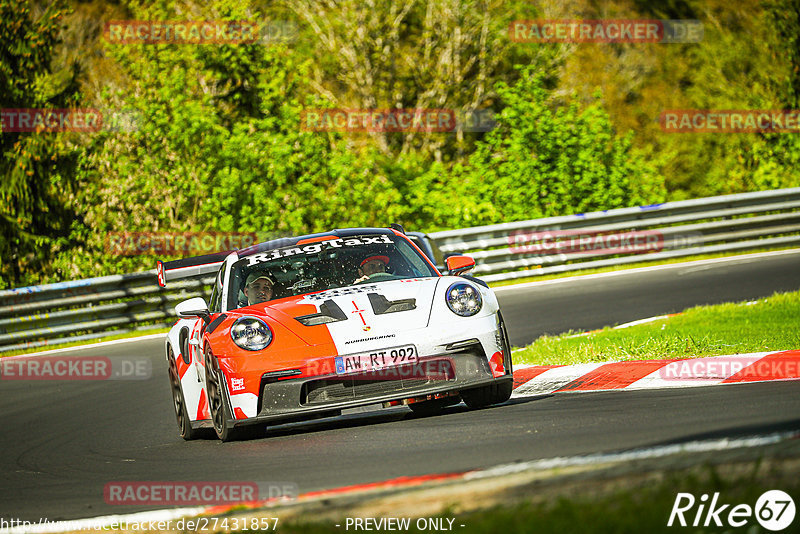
x,y
329,312
381,304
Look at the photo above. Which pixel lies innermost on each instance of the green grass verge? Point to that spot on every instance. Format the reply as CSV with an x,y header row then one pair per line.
x,y
767,325
85,343
645,508
643,263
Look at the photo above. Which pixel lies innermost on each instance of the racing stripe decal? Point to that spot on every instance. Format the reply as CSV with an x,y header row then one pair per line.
x,y
202,407
181,365
364,329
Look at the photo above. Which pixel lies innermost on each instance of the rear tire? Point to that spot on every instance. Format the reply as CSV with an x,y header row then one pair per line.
x,y
179,402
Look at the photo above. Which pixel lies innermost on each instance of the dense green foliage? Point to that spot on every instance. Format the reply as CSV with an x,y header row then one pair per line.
x,y
212,139
543,161
37,172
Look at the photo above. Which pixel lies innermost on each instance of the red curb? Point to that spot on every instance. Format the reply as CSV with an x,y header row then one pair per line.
x,y
777,366
523,375
399,482
615,375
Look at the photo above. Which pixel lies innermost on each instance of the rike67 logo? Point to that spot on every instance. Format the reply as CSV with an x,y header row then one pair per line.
x,y
774,510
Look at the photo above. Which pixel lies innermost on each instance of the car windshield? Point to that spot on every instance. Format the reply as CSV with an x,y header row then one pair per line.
x,y
331,263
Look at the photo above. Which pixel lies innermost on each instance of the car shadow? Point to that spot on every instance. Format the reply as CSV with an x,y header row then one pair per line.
x,y
368,417
736,432
382,416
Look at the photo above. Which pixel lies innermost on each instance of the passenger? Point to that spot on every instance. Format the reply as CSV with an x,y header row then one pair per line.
x,y
259,287
371,266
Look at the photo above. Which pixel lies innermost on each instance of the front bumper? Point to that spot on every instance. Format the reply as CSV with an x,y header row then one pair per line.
x,y
299,399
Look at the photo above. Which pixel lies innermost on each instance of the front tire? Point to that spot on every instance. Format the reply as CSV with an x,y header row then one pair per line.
x,y
432,407
488,395
494,393
507,363
218,407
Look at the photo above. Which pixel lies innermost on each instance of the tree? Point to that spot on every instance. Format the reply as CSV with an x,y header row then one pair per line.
x,y
218,146
549,157
393,54
37,169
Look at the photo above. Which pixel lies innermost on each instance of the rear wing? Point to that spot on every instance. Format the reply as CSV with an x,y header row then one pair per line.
x,y
189,267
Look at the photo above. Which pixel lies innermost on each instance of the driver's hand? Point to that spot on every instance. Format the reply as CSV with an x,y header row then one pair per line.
x,y
357,280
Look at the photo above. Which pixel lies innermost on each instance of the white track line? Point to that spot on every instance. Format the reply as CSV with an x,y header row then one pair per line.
x,y
635,454
99,344
621,272
97,523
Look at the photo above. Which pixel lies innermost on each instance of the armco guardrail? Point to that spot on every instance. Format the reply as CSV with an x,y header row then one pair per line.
x,y
766,219
86,309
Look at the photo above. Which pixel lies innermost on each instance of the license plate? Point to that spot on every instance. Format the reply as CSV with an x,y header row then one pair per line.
x,y
376,359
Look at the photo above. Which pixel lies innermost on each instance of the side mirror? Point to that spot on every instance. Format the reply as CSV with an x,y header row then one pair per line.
x,y
457,265
195,307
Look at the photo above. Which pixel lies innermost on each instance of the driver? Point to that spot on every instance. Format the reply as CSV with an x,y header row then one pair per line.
x,y
371,266
258,287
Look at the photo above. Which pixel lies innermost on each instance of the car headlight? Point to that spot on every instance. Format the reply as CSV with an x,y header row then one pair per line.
x,y
251,333
464,299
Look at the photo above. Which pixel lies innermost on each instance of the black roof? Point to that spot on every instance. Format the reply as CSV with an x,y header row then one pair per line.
x,y
291,241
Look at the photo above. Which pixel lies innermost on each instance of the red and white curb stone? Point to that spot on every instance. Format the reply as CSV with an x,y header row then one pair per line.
x,y
655,374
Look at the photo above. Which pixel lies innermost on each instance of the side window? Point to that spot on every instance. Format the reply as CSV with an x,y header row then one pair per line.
x,y
215,306
418,266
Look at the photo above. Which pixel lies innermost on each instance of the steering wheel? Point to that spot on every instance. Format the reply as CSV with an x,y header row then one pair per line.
x,y
377,277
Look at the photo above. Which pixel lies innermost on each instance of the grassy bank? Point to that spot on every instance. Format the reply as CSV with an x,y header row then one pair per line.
x,y
630,503
645,509
765,325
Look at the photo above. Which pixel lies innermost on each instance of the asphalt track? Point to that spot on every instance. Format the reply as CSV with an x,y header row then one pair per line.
x,y
62,442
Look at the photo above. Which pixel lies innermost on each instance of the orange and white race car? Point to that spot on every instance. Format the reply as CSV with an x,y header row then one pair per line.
x,y
304,327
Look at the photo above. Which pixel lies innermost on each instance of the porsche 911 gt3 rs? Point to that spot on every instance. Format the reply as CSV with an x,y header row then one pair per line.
x,y
304,327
